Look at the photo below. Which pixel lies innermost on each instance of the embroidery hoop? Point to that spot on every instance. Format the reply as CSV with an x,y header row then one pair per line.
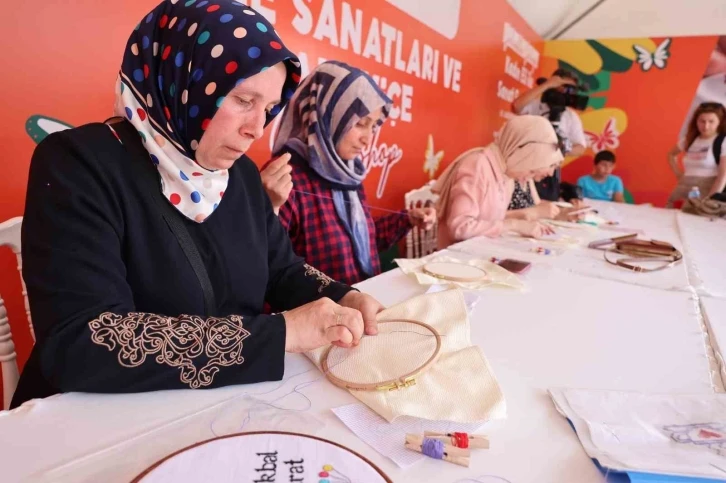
x,y
406,380
140,478
454,271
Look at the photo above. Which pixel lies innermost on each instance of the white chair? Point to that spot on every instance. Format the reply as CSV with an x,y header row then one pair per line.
x,y
10,237
419,242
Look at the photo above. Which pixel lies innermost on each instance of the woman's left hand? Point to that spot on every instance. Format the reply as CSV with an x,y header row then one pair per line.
x,y
422,217
367,306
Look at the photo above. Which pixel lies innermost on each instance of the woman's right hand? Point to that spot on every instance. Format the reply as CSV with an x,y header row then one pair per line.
x,y
320,323
533,229
547,210
277,181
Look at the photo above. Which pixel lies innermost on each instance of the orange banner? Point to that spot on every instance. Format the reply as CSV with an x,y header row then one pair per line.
x,y
452,68
640,93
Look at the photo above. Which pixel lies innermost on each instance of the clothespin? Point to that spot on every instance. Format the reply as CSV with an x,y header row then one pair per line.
x,y
437,449
461,440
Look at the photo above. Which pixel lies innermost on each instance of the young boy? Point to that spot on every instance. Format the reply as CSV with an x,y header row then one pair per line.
x,y
602,184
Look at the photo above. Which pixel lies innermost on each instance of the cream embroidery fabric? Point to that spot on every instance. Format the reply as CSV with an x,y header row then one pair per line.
x,y
176,342
496,275
459,387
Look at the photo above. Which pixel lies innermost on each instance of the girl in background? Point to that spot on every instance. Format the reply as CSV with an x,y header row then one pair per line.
x,y
705,138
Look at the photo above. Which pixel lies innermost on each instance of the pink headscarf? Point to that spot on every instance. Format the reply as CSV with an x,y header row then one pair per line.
x,y
526,143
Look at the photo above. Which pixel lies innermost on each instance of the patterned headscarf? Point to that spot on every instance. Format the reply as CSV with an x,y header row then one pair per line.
x,y
180,62
329,102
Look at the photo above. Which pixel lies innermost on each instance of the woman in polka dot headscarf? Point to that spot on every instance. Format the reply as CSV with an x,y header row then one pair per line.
x,y
114,292
181,63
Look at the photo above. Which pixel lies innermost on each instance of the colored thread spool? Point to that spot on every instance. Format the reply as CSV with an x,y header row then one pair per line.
x,y
460,440
433,448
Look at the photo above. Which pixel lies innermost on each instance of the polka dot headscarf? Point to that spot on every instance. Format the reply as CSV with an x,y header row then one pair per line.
x,y
180,62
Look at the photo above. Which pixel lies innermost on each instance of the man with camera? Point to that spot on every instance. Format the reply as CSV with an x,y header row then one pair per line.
x,y
555,99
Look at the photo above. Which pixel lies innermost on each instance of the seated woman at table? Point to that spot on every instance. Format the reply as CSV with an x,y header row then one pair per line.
x,y
527,205
333,117
147,261
475,190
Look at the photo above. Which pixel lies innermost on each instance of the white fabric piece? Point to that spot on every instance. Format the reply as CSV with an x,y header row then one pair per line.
x,y
388,438
495,275
682,435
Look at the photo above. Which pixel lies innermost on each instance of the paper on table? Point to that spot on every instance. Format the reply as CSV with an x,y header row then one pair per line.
x,y
681,435
495,275
388,438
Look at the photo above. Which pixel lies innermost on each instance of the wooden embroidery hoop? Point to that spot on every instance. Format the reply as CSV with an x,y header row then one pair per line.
x,y
448,271
140,478
401,382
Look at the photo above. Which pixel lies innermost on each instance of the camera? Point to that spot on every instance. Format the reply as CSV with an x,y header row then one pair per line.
x,y
568,96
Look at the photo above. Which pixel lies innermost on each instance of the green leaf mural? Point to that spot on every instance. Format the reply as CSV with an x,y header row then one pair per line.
x,y
611,61
38,127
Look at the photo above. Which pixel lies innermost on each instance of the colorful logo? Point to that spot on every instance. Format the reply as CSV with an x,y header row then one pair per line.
x,y
432,159
38,127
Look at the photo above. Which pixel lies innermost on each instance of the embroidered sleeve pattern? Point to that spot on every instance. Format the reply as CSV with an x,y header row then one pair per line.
x,y
184,342
324,280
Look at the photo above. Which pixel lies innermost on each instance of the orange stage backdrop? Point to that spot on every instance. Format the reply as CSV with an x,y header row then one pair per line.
x,y
641,91
452,68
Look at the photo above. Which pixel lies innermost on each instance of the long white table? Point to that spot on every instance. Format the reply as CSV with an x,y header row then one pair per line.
x,y
704,240
565,330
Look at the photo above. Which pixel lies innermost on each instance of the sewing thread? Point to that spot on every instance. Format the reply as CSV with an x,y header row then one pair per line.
x,y
433,448
460,440
370,207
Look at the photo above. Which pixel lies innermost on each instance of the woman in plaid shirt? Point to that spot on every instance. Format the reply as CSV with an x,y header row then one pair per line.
x,y
332,118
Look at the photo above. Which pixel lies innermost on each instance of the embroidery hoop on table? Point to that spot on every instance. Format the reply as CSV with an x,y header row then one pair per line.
x,y
454,271
149,472
392,384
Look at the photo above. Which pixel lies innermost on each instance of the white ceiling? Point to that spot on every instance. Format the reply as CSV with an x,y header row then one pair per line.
x,y
624,18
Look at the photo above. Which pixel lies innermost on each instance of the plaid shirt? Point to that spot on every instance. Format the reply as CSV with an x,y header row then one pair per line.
x,y
318,235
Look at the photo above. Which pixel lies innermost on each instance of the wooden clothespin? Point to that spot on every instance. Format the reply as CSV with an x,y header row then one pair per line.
x,y
438,449
461,440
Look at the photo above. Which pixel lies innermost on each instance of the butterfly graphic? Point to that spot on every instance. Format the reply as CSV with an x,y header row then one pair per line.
x,y
432,159
608,139
657,58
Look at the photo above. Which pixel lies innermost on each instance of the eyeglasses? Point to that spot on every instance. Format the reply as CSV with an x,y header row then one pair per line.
x,y
712,105
555,145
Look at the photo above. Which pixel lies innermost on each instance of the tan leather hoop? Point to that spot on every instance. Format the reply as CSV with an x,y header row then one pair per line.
x,y
401,382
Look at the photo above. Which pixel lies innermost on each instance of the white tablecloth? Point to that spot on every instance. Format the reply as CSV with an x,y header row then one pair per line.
x,y
715,318
655,223
606,335
704,242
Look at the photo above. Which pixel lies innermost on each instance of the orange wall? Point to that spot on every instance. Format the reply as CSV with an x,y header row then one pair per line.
x,y
649,105
61,60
